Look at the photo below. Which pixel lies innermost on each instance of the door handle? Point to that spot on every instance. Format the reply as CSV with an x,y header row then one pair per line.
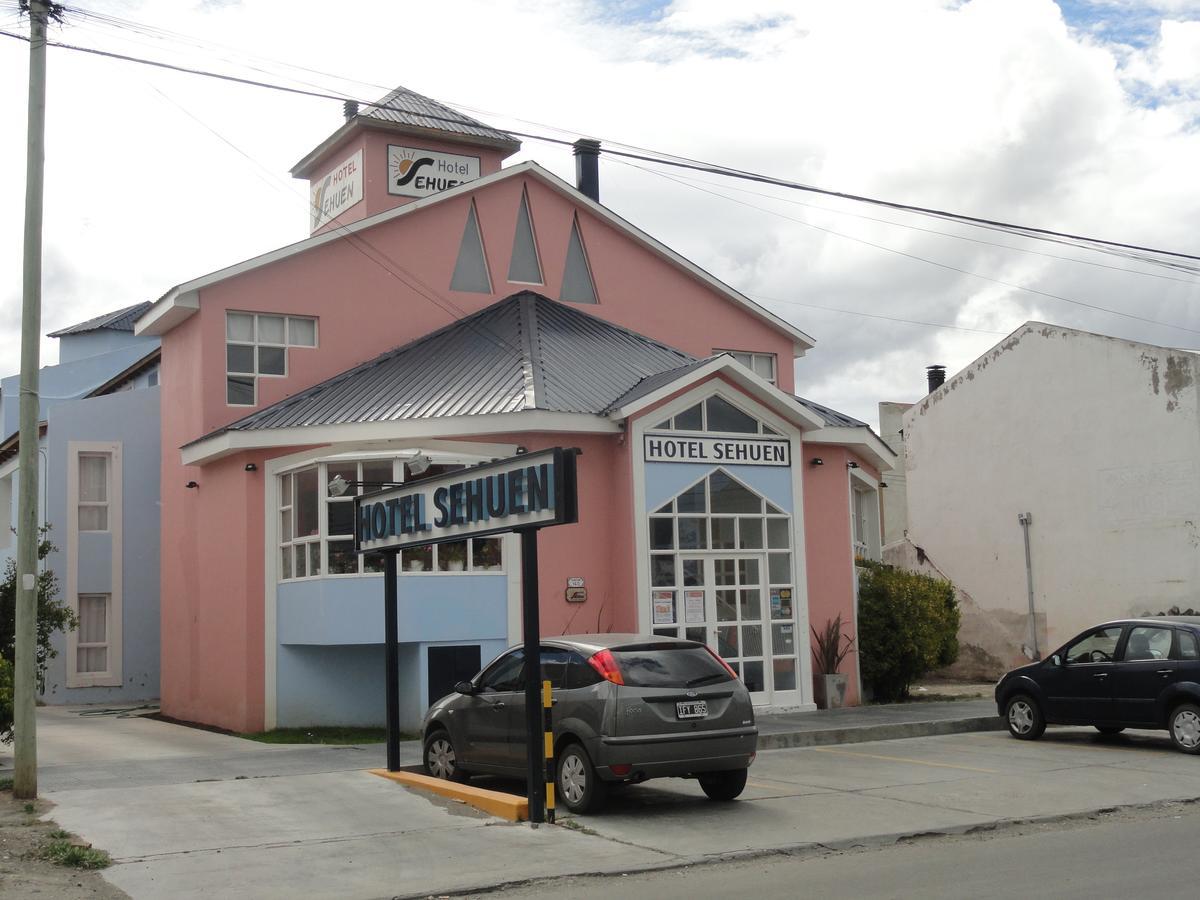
x,y
1165,671
1100,675
499,704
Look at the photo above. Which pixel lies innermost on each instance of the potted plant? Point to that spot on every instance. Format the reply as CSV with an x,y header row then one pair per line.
x,y
452,557
831,647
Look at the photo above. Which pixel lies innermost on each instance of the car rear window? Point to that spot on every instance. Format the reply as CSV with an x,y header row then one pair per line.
x,y
669,665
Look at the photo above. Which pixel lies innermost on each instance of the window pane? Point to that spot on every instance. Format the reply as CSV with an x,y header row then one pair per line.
x,y
239,326
577,277
744,358
783,640
666,632
272,361
93,518
779,567
1099,646
93,624
373,562
314,558
662,570
270,330
692,500
748,571
696,634
750,534
523,265
693,572
722,533
1187,646
377,472
663,426
239,358
752,676
93,478
417,559
92,659
239,391
302,332
781,603
285,525
751,601
777,534
689,419
785,674
301,560
342,559
727,640
662,534
726,606
346,471
752,640
341,517
1148,643
764,366
725,570
486,554
306,505
285,491
452,557
285,563
666,510
724,416
730,497
691,534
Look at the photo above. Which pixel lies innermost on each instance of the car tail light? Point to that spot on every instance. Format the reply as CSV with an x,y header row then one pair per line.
x,y
727,666
603,662
621,769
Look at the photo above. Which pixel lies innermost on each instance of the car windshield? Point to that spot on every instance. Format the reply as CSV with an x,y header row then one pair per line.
x,y
669,665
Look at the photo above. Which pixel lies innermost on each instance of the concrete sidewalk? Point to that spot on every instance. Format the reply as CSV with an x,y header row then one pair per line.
x,y
884,722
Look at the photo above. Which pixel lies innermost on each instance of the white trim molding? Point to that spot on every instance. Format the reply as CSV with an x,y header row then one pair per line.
x,y
861,438
113,676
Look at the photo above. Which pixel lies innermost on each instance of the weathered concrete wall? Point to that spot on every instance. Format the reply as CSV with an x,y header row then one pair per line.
x,y
894,499
1097,438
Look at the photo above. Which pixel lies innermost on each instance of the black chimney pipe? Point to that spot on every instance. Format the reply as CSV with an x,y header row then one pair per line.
x,y
350,109
587,167
936,377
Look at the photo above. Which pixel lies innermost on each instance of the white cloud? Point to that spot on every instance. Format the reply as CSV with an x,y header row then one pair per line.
x,y
991,107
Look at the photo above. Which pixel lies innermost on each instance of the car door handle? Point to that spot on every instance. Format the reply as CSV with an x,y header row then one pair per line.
x,y
1165,671
499,704
1100,675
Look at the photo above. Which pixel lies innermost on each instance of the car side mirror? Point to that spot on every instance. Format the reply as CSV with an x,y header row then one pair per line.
x,y
465,687
1056,660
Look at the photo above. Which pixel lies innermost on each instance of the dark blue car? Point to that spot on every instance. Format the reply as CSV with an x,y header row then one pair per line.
x,y
1133,673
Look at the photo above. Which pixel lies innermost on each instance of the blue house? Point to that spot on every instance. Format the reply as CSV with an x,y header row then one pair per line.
x,y
98,461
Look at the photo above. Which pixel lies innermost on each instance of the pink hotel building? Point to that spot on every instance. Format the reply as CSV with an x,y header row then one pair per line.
x,y
446,311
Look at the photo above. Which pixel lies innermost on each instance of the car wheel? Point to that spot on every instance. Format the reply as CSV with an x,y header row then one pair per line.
x,y
1024,718
1184,726
1110,729
578,786
441,760
723,785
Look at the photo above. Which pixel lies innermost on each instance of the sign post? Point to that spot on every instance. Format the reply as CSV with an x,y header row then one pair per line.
x,y
524,493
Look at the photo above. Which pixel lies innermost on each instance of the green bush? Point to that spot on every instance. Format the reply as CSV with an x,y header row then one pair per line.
x,y
907,625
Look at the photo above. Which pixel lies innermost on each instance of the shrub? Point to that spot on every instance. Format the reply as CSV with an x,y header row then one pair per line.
x,y
907,625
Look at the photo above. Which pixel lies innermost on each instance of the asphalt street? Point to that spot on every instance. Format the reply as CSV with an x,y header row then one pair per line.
x,y
1146,853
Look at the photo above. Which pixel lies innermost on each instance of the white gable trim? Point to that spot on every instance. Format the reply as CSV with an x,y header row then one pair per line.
x,y
861,438
182,301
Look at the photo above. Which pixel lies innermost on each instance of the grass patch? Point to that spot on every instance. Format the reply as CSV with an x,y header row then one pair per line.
x,y
5,784
62,852
323,734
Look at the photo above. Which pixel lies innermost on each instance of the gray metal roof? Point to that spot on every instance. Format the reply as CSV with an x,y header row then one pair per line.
x,y
118,320
832,416
524,352
652,383
405,107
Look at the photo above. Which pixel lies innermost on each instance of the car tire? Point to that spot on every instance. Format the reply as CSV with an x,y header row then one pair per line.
x,y
1024,718
576,784
1184,727
723,786
441,758
1110,729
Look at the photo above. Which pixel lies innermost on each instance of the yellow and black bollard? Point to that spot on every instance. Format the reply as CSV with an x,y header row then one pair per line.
x,y
548,726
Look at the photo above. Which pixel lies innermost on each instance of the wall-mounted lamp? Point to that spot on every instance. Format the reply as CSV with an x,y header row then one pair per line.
x,y
816,461
883,484
191,485
521,451
251,467
852,465
419,464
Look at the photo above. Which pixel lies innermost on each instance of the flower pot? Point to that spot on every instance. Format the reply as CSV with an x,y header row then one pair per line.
x,y
455,565
829,691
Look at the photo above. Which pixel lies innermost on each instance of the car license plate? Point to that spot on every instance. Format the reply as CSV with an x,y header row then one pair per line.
x,y
691,709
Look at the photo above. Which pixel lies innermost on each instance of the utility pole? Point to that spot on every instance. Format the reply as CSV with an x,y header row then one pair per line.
x,y
25,674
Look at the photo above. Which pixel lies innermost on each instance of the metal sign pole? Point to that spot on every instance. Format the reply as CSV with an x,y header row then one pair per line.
x,y
391,644
534,739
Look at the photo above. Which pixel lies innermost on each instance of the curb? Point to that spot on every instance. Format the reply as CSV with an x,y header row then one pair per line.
x,y
890,731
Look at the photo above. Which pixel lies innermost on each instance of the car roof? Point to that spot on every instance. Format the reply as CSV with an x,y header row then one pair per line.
x,y
592,643
1193,621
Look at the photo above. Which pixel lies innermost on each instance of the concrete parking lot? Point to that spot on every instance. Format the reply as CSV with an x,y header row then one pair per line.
x,y
188,813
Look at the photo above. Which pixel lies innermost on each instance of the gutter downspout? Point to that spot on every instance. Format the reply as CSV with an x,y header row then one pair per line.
x,y
1026,519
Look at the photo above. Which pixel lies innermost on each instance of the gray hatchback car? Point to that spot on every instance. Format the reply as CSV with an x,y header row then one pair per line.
x,y
626,708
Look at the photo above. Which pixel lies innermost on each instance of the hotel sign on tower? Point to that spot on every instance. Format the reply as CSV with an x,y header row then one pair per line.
x,y
414,172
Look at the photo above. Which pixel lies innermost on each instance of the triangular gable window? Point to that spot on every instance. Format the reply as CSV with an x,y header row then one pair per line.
x,y
578,286
524,266
471,268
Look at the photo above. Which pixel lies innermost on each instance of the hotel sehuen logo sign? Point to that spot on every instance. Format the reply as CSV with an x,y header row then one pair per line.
x,y
413,172
717,450
335,193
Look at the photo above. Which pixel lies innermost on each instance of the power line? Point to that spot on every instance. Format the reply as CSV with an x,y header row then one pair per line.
x,y
1099,244
923,259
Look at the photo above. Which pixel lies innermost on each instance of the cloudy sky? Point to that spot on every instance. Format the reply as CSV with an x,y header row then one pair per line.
x,y
1081,116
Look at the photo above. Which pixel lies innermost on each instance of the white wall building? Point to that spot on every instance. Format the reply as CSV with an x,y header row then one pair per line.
x,y
1098,439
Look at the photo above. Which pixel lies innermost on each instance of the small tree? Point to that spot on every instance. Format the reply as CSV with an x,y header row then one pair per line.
x,y
907,625
52,615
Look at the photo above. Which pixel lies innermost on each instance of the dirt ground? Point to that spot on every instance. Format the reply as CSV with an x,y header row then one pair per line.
x,y
23,875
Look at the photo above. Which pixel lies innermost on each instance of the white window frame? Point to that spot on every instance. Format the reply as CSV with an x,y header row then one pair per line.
x,y
76,581
254,343
865,489
751,358
106,643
